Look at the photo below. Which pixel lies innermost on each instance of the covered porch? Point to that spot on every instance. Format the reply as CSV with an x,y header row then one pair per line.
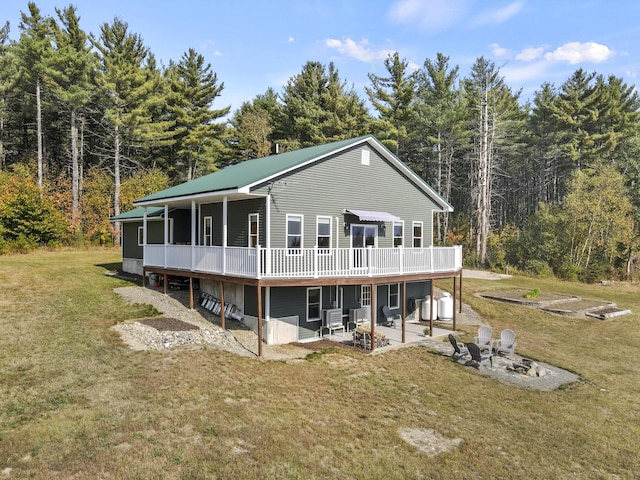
x,y
413,335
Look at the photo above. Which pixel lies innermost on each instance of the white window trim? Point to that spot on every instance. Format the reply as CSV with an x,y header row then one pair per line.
x,y
257,234
393,226
140,236
413,237
324,250
309,319
397,303
170,231
294,250
204,231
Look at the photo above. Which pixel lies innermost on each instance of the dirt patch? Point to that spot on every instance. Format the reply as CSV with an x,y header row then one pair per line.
x,y
428,441
163,324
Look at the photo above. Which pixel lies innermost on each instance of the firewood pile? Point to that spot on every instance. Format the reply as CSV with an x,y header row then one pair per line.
x,y
362,338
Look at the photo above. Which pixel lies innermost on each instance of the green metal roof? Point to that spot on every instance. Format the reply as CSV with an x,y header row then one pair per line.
x,y
137,214
249,172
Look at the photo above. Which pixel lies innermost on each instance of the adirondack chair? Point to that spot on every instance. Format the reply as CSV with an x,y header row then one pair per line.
x,y
506,343
459,349
479,356
483,339
392,319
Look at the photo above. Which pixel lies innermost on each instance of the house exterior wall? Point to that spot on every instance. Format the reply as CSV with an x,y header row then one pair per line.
x,y
292,301
237,221
329,186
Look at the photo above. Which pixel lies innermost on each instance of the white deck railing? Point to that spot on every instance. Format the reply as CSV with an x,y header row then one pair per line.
x,y
304,263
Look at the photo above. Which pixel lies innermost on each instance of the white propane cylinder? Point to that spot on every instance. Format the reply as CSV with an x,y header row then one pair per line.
x,y
445,307
426,305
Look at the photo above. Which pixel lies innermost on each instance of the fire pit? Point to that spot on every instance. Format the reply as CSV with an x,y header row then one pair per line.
x,y
526,367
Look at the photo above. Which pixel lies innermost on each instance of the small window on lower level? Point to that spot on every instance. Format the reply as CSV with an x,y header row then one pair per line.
x,y
314,303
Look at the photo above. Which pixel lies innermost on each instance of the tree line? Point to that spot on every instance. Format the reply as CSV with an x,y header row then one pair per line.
x,y
90,122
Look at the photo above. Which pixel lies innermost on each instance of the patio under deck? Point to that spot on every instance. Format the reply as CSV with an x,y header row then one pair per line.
x,y
414,335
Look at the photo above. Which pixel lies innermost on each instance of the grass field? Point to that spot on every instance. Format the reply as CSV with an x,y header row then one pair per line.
x,y
76,403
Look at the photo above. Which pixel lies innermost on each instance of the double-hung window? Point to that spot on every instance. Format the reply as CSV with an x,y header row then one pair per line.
x,y
314,303
208,231
294,233
417,234
394,295
323,230
398,234
253,230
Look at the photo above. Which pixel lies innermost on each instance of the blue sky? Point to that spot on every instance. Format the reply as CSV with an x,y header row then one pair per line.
x,y
253,45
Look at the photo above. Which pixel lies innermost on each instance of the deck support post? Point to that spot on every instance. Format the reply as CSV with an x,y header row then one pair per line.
x,y
460,306
259,320
191,292
373,316
431,309
454,303
221,286
404,310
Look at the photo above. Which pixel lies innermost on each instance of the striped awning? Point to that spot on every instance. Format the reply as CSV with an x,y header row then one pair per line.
x,y
371,216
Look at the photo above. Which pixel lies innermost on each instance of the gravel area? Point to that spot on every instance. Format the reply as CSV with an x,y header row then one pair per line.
x,y
143,334
182,327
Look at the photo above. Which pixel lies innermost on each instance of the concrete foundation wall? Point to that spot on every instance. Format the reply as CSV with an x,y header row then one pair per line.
x,y
275,331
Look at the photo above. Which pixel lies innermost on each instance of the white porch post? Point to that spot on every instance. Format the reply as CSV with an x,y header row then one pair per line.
x,y
224,235
193,234
166,233
267,241
144,235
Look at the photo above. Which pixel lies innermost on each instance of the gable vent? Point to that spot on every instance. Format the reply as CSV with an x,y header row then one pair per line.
x,y
364,160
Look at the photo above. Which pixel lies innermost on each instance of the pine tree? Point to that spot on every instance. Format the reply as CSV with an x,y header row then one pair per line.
x,y
493,107
318,108
393,99
194,88
72,71
440,129
34,51
124,85
7,79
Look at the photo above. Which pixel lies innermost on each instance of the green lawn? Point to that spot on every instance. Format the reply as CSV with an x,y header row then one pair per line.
x,y
76,403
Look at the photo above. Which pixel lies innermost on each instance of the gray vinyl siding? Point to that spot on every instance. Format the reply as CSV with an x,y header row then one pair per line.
x,y
341,182
237,221
293,301
130,248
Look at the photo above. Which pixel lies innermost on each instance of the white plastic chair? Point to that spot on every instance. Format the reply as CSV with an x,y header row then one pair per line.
x,y
483,339
507,342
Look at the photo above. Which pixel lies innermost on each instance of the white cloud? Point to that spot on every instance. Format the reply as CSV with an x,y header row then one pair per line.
x,y
576,52
499,51
413,66
517,74
501,15
431,15
529,54
359,50
291,40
